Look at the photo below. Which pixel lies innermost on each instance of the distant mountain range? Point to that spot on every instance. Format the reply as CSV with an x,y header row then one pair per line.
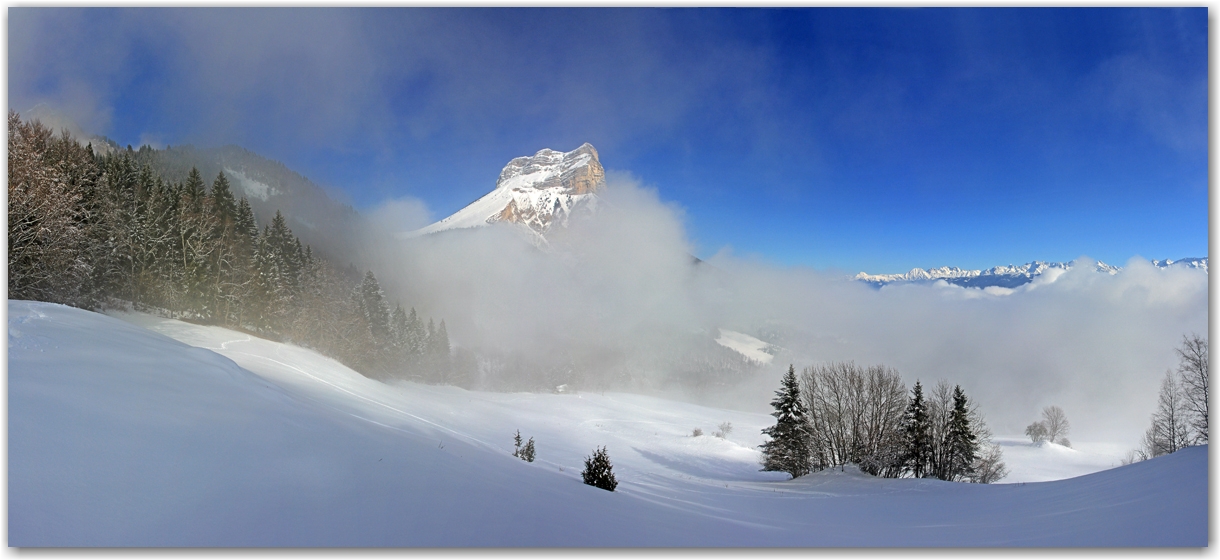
x,y
1009,276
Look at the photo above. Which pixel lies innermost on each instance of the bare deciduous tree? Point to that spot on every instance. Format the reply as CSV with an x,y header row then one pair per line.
x,y
989,466
1036,432
1056,423
1192,370
856,415
1170,430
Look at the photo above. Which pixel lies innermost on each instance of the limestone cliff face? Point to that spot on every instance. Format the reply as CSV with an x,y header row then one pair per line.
x,y
536,192
547,188
576,172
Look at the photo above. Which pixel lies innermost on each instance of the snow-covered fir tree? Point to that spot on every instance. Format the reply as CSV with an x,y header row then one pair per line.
x,y
917,436
789,448
599,471
961,442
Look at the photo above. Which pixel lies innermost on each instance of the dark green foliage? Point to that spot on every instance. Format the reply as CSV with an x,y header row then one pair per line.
x,y
524,452
193,192
917,435
87,230
224,206
789,448
528,451
961,443
598,471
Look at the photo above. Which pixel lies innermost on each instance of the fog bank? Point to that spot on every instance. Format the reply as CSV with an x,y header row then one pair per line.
x,y
617,301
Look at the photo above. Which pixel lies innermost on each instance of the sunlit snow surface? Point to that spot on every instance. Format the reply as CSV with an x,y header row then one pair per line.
x,y
122,437
745,345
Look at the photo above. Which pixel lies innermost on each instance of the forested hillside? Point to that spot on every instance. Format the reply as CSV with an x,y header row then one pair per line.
x,y
331,228
93,230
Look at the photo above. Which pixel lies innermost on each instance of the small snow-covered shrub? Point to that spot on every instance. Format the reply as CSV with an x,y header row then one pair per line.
x,y
526,452
725,429
598,471
696,432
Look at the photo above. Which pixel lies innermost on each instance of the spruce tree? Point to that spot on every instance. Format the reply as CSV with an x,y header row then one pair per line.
x,y
962,442
226,262
376,312
440,353
917,435
193,192
598,471
789,448
223,204
415,334
527,452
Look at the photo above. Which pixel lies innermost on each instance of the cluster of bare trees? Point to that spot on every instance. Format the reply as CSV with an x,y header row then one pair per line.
x,y
841,413
1053,427
1181,413
855,416
87,230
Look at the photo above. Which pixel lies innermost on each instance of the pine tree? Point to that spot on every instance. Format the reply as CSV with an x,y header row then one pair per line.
x,y
527,452
415,338
226,265
376,312
917,435
193,192
415,335
440,353
599,471
961,444
197,247
524,452
223,204
789,448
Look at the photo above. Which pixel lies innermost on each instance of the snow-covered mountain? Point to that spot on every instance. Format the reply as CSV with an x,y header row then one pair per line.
x,y
1009,276
536,192
1195,262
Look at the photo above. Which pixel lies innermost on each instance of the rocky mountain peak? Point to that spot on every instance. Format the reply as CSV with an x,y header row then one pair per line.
x,y
536,192
574,173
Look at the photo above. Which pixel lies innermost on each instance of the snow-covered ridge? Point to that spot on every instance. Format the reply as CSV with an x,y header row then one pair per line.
x,y
1009,276
536,192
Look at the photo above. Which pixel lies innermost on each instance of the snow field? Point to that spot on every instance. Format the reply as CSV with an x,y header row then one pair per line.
x,y
119,436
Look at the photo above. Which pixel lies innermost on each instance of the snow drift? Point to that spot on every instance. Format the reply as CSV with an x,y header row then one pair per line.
x,y
119,436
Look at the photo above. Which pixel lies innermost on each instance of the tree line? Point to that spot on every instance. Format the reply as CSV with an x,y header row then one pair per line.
x,y
840,413
93,230
1181,415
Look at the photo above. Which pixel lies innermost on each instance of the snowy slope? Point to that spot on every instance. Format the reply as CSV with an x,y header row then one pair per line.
x,y
536,192
121,436
745,345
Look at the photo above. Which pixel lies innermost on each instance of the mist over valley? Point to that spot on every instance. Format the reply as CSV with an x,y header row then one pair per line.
x,y
748,277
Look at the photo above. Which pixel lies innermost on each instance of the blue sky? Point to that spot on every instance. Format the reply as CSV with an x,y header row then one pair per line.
x,y
854,139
